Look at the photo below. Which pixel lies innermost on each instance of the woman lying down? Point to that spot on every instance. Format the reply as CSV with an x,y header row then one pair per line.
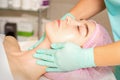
x,y
22,65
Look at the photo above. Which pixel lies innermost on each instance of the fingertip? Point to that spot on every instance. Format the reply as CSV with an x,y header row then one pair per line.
x,y
41,51
57,45
30,48
48,69
36,55
38,62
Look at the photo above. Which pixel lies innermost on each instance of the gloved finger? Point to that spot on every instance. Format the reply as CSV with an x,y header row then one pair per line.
x,y
58,45
52,69
70,44
38,42
46,63
46,51
68,14
44,57
35,45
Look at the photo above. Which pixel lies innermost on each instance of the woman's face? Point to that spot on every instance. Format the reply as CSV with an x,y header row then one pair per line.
x,y
69,30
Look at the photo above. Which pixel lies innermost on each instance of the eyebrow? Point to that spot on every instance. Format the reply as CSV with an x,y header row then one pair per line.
x,y
86,29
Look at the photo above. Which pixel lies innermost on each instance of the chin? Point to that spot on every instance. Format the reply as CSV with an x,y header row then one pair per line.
x,y
54,40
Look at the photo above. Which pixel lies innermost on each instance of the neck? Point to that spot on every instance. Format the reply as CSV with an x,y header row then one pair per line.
x,y
30,63
23,65
44,45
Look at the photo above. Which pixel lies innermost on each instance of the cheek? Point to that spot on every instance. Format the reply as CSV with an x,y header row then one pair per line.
x,y
50,30
66,36
57,35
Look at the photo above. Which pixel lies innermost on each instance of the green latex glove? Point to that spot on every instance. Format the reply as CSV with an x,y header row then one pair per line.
x,y
38,42
68,14
65,57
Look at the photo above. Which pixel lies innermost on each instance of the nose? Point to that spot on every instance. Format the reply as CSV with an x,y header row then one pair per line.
x,y
68,20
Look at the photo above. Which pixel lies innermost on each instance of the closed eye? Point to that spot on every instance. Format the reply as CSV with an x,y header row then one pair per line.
x,y
78,28
86,26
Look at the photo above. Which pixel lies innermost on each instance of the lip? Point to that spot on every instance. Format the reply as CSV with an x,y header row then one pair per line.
x,y
58,22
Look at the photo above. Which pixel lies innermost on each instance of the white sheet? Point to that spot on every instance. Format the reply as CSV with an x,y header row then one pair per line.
x,y
5,73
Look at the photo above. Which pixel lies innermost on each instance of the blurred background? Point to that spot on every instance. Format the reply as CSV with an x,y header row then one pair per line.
x,y
25,19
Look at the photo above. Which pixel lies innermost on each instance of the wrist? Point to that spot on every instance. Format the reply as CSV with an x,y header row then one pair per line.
x,y
88,59
91,62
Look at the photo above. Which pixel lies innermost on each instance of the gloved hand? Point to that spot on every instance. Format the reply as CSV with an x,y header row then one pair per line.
x,y
65,57
38,42
68,14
